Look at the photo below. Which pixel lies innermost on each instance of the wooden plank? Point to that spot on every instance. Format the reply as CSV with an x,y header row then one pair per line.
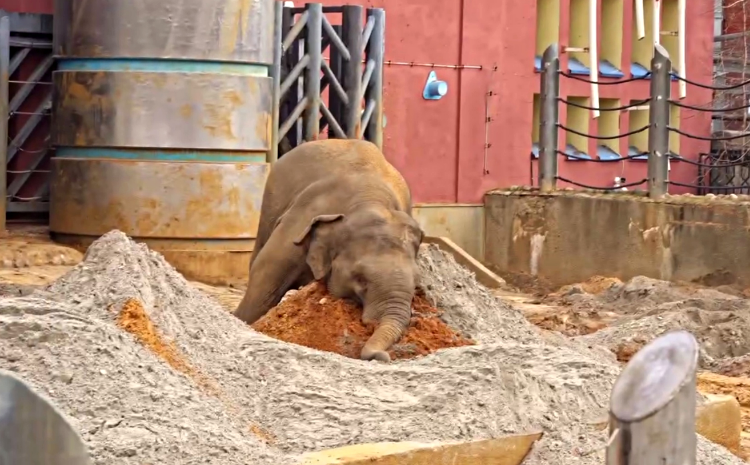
x,y
509,450
484,275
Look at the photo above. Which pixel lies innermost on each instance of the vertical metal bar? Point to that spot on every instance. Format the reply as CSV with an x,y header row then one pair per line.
x,y
334,102
288,61
313,40
374,92
658,133
273,154
549,113
4,70
351,29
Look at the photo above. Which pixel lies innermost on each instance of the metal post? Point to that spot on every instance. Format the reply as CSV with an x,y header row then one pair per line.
x,y
334,102
273,154
658,132
549,112
4,76
654,397
351,27
313,40
374,92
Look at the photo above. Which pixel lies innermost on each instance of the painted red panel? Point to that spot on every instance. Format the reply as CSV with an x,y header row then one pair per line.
x,y
420,136
28,6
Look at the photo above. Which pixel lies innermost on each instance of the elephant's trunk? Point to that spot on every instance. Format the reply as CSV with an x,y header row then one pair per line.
x,y
392,325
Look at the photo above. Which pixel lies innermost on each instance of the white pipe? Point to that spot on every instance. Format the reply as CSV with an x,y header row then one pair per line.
x,y
594,58
681,40
656,24
639,22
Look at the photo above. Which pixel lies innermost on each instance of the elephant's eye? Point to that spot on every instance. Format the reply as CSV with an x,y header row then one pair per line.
x,y
359,281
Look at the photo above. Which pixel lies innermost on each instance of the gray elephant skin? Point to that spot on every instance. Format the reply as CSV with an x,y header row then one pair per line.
x,y
338,211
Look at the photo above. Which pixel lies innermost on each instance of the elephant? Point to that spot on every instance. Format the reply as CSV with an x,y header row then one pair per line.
x,y
335,210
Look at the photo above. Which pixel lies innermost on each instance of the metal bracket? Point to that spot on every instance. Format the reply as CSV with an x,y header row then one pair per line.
x,y
434,89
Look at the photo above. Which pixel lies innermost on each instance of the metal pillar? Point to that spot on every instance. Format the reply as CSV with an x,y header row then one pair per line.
x,y
351,26
549,114
278,15
658,133
372,120
313,40
4,76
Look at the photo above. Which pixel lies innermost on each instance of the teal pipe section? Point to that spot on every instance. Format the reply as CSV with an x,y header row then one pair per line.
x,y
148,65
88,153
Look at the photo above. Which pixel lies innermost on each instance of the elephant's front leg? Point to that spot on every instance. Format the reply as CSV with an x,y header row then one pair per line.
x,y
274,270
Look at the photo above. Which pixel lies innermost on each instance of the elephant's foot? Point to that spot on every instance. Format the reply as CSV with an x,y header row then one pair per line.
x,y
379,355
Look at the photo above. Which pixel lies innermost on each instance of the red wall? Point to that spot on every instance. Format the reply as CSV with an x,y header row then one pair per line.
x,y
439,145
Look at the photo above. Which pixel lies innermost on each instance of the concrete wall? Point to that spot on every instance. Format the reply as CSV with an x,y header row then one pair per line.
x,y
463,224
568,237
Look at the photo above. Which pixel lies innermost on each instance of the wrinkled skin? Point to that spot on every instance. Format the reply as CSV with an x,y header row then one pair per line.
x,y
336,210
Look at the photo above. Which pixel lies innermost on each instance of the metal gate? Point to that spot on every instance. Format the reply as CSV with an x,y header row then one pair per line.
x,y
351,74
26,59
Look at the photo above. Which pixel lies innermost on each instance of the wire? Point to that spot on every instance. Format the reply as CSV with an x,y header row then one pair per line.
x,y
585,186
693,136
714,110
619,136
708,165
696,186
605,83
586,107
599,160
706,86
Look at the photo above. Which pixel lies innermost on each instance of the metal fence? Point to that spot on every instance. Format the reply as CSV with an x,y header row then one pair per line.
x,y
717,173
26,62
350,73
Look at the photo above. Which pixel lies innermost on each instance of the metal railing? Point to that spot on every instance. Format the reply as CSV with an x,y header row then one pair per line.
x,y
352,72
658,127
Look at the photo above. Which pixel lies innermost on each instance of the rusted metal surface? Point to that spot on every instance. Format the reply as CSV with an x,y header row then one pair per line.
x,y
157,199
222,30
163,110
163,121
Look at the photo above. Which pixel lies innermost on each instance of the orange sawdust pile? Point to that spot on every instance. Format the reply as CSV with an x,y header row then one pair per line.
x,y
313,318
133,319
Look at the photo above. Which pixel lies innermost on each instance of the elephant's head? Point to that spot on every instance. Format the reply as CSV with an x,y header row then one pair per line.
x,y
368,255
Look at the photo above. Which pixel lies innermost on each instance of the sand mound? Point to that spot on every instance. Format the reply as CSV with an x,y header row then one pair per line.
x,y
311,317
86,344
649,307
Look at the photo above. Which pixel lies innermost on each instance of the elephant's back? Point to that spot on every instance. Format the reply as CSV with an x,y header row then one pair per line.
x,y
317,160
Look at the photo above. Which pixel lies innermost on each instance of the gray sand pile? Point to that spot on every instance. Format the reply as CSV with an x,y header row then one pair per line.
x,y
650,307
218,392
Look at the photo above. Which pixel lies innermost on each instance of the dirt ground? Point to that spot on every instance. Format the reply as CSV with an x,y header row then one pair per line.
x,y
620,315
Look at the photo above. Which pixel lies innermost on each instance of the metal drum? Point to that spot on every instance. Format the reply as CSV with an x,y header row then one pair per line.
x,y
162,120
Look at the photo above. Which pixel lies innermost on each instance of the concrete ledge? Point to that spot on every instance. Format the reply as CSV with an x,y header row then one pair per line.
x,y
483,274
717,420
569,237
509,450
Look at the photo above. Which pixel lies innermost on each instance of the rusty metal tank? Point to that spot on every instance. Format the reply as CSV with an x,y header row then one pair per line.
x,y
162,121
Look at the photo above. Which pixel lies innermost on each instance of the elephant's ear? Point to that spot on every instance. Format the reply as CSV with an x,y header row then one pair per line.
x,y
318,252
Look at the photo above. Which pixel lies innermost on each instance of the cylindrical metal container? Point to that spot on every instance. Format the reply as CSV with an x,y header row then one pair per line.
x,y
162,119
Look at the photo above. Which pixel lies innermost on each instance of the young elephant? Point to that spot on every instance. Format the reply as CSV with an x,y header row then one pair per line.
x,y
337,210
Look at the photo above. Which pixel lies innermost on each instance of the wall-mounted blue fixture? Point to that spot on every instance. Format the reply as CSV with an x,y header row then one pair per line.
x,y
434,89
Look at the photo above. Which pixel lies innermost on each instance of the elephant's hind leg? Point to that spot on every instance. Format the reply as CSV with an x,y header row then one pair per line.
x,y
275,268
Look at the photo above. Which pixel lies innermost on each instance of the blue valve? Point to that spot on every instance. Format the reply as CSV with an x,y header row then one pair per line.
x,y
434,89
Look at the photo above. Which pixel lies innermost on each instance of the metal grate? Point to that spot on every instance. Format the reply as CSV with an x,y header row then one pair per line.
x,y
724,172
30,63
341,94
